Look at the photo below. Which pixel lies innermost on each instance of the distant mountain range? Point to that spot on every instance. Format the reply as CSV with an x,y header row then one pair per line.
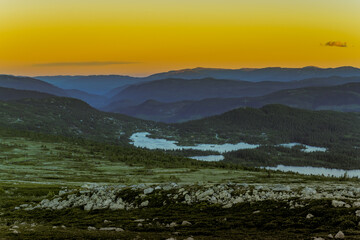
x,y
102,84
95,84
182,99
259,74
340,97
173,90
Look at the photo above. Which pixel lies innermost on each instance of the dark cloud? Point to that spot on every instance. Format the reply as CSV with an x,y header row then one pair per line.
x,y
336,44
62,64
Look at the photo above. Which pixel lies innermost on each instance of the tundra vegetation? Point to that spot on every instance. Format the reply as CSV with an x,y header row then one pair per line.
x,y
163,196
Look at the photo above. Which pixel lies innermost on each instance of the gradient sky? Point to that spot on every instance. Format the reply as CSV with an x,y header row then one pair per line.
x,y
140,37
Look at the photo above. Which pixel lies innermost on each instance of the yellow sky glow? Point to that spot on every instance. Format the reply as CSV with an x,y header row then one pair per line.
x,y
140,37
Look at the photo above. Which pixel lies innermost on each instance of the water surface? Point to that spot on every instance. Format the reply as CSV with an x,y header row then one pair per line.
x,y
141,139
317,171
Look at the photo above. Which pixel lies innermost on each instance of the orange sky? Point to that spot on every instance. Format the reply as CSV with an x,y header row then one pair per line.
x,y
140,37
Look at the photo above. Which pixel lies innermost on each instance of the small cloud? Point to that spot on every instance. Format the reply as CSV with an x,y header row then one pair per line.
x,y
336,44
62,64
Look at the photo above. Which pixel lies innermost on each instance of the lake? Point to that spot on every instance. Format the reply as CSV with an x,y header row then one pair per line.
x,y
317,171
142,140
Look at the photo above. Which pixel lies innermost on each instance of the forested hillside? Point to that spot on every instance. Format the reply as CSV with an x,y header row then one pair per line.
x,y
278,124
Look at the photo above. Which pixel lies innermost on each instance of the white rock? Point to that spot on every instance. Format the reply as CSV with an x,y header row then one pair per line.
x,y
173,224
229,205
336,203
309,216
186,223
281,188
357,213
307,191
88,206
148,190
145,204
90,228
139,220
340,235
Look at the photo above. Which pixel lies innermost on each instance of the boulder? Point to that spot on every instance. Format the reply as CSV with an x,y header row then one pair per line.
x,y
309,216
340,235
148,190
336,203
186,223
144,204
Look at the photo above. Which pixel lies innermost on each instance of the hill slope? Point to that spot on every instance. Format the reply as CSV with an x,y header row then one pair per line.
x,y
27,83
69,117
277,124
9,94
95,84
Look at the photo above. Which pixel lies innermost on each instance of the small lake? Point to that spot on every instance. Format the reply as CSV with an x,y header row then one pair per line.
x,y
316,171
307,149
141,139
209,158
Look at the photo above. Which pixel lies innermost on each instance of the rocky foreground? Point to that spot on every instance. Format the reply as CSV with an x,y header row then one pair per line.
x,y
316,210
92,197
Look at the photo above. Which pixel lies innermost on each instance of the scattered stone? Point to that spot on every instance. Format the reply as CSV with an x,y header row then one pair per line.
x,y
229,205
307,191
330,236
281,188
189,238
145,204
309,216
90,228
336,203
139,220
148,190
340,235
256,212
173,224
186,223
318,238
95,197
357,213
